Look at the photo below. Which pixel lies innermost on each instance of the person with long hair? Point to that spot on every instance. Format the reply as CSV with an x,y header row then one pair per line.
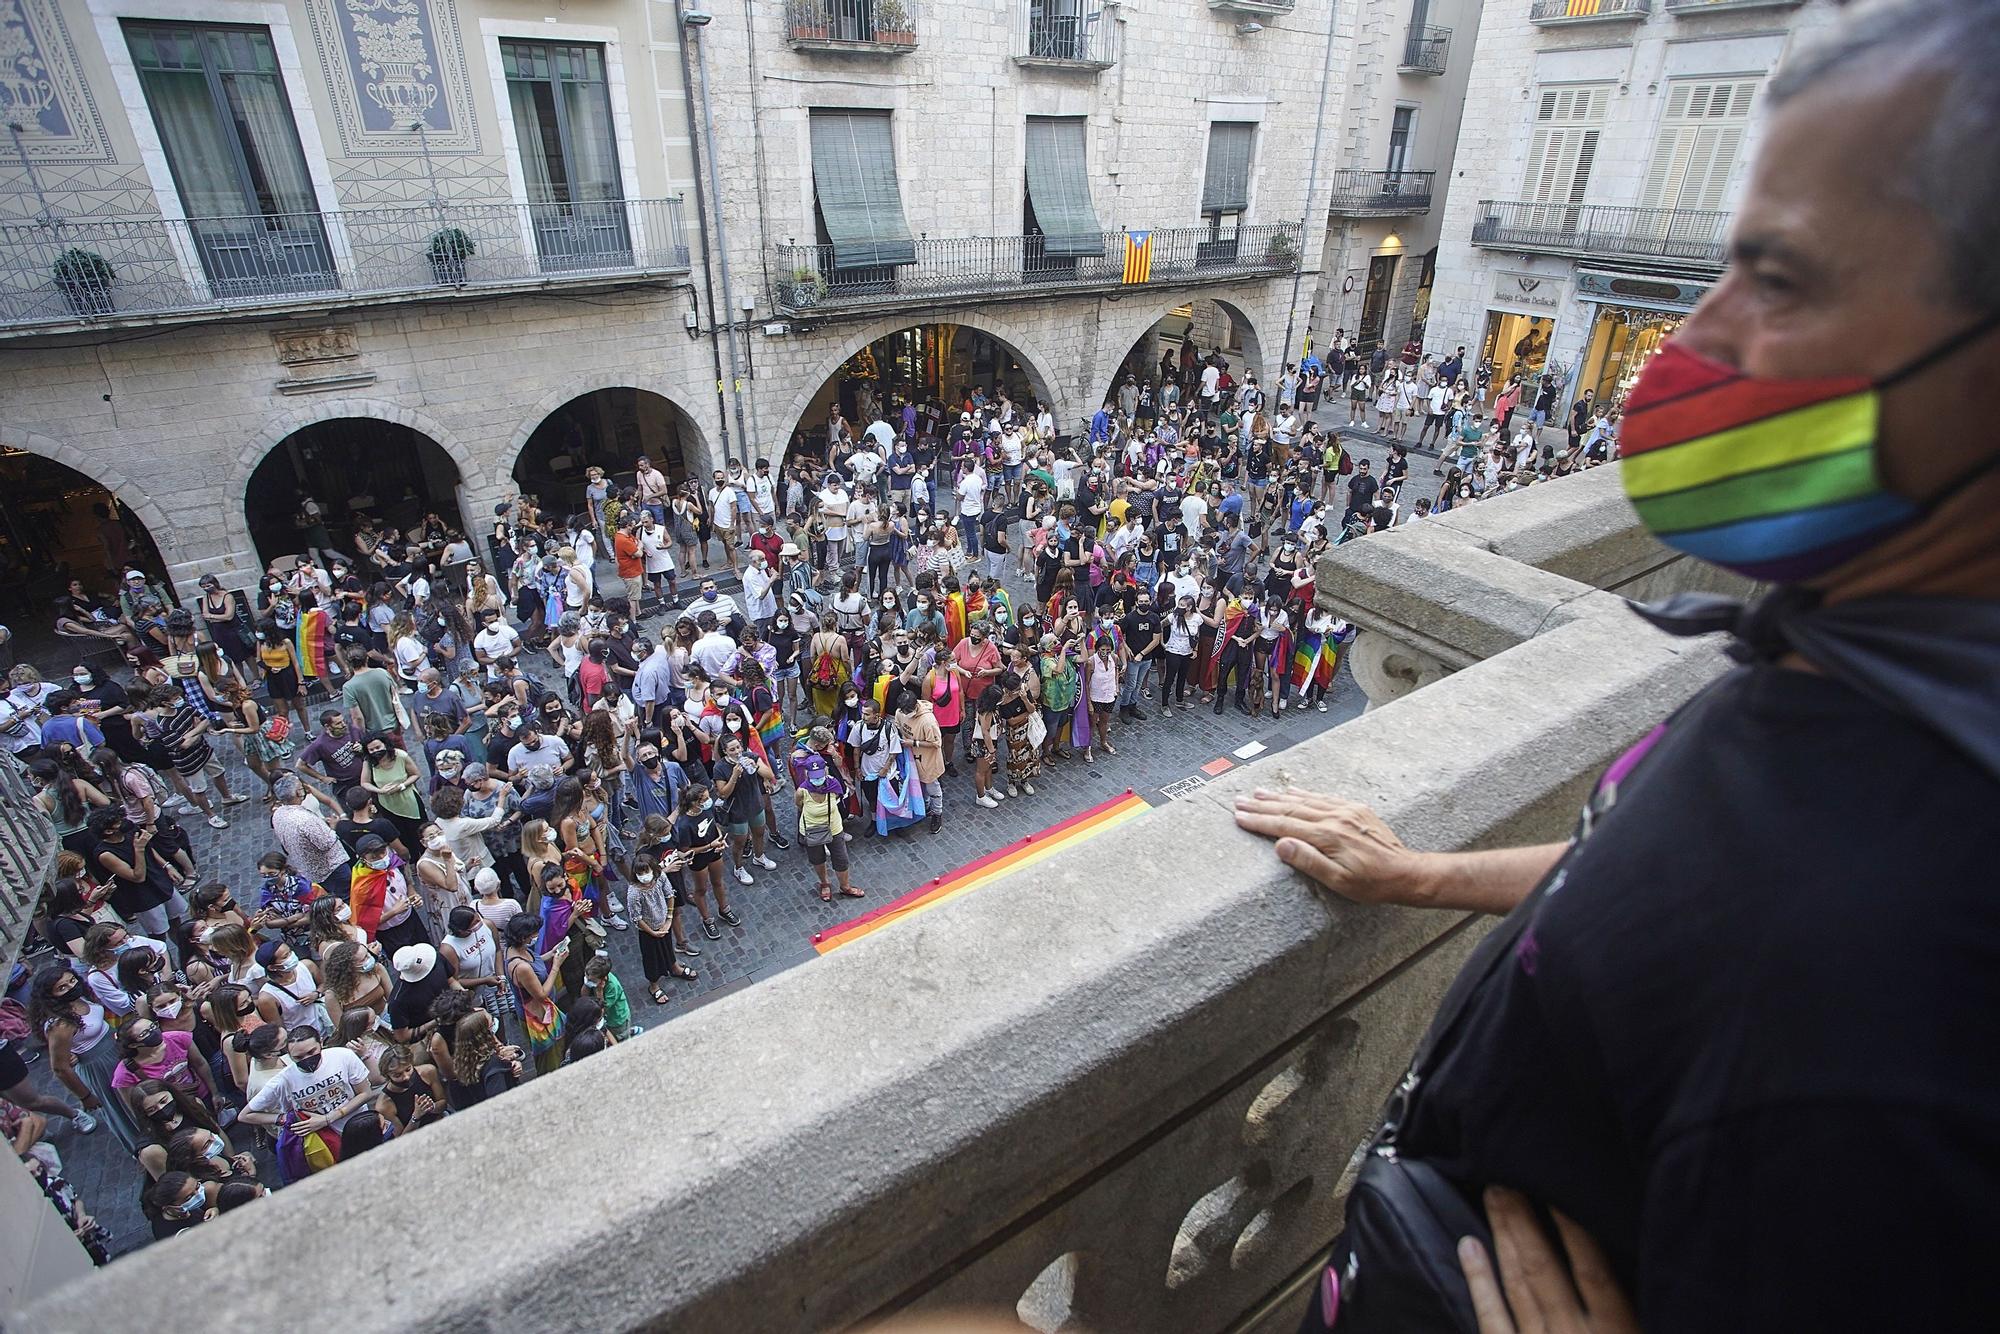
x,y
67,796
413,1092
388,773
528,973
352,977
83,1054
700,834
149,1052
584,852
265,742
480,1066
232,1011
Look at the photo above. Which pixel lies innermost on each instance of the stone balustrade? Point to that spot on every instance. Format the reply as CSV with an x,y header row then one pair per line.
x,y
1121,1091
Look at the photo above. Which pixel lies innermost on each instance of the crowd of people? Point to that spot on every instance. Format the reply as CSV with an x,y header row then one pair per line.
x,y
943,607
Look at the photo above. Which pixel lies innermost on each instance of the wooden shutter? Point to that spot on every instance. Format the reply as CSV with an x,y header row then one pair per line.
x,y
1700,138
1563,151
1059,187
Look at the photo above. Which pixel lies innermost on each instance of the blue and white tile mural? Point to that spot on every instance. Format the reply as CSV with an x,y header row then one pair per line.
x,y
392,65
41,90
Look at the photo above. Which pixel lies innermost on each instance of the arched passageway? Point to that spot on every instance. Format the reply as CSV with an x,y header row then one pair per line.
x,y
321,482
1176,345
610,429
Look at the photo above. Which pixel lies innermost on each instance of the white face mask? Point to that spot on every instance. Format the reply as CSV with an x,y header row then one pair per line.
x,y
645,879
367,964
343,912
434,842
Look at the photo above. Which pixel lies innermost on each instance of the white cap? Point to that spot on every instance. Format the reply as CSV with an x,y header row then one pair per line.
x,y
413,963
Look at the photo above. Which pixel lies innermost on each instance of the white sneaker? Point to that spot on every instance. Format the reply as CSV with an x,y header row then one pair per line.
x,y
617,923
988,803
83,1121
743,877
1028,788
1013,791
1322,706
217,822
766,863
1281,706
611,902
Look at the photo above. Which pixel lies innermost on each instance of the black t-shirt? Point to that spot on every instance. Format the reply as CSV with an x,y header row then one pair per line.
x,y
1747,1037
1140,629
410,1003
1361,490
350,833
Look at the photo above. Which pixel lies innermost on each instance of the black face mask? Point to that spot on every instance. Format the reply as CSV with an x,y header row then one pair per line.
x,y
308,1063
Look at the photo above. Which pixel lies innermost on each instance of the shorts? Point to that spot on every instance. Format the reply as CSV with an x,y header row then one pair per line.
x,y
1013,472
742,828
198,781
817,856
635,588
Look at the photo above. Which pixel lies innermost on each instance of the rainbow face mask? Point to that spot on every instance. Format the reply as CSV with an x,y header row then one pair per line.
x,y
1778,480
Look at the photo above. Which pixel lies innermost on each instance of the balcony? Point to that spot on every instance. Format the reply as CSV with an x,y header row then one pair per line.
x,y
1683,237
1253,6
1688,8
1381,194
59,274
1072,36
1002,268
1424,49
858,27
1143,1130
1559,13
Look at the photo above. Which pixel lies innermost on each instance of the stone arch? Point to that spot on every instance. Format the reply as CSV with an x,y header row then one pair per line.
x,y
1047,384
1120,339
578,386
474,485
106,476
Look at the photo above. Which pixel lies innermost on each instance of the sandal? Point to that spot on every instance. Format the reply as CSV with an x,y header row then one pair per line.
x,y
852,893
826,894
660,997
685,973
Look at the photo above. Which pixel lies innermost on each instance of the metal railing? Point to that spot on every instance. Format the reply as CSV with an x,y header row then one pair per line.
x,y
987,266
1068,32
28,848
1689,235
58,270
850,23
1586,11
1255,6
1382,193
1424,49
1697,6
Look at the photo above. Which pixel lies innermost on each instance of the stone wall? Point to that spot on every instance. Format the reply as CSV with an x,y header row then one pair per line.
x,y
1123,1091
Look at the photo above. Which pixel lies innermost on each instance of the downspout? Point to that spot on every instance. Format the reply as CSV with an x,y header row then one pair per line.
x,y
722,249
1312,186
701,234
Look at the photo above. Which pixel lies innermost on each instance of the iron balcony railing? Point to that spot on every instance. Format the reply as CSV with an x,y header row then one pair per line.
x,y
1695,236
1067,32
868,25
57,270
1698,6
1550,12
1424,49
28,848
1255,6
999,266
1382,193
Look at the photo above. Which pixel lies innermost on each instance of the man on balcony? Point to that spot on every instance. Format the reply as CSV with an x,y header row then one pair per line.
x,y
1736,1032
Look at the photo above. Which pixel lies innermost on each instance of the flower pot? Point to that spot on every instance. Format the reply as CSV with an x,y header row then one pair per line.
x,y
86,299
448,270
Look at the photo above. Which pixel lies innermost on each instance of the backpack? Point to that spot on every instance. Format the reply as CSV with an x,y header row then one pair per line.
x,y
826,672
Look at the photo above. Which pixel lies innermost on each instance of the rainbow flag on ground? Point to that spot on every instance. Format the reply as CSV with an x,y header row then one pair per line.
x,y
311,643
1022,852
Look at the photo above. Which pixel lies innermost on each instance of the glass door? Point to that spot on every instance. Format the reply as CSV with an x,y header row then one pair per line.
x,y
561,102
219,102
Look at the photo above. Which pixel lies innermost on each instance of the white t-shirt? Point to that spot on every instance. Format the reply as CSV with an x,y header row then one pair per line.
x,y
1194,513
496,641
1440,398
866,463
1010,449
972,495
1210,377
833,508
410,658
722,506
339,1078
656,547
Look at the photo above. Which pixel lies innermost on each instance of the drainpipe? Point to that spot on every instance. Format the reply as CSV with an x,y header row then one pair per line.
x,y
1312,185
701,235
699,18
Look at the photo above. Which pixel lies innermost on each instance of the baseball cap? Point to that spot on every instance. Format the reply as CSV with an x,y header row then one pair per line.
x,y
414,962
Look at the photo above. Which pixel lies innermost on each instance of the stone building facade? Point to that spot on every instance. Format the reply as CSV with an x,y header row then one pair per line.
x,y
486,213
1603,146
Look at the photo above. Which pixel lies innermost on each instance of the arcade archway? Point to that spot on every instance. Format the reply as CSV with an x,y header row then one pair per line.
x,y
606,428
1175,345
314,486
58,524
938,368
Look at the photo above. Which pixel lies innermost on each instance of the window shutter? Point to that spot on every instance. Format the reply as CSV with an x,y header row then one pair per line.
x,y
854,175
1700,137
1225,185
1059,187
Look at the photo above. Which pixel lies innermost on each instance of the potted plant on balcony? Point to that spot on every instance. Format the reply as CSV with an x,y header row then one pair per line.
x,y
1280,249
807,287
892,24
812,21
448,251
85,279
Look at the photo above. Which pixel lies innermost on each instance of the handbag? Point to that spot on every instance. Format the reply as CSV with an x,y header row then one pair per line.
x,y
1394,1268
277,727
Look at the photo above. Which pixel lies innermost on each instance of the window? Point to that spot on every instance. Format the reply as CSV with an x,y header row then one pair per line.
x,y
857,199
1400,129
1225,188
1375,301
1568,122
1059,220
1700,137
561,102
226,124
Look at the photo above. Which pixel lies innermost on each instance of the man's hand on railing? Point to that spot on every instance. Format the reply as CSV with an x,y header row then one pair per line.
x,y
1345,847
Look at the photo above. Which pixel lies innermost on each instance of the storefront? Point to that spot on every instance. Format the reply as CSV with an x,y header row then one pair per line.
x,y
1634,317
1520,324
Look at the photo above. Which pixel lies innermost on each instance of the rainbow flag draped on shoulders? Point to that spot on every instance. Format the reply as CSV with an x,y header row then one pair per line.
x,y
1316,657
957,615
311,643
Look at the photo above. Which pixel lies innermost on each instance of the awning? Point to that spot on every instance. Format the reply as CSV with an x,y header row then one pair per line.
x,y
1059,189
854,173
1225,186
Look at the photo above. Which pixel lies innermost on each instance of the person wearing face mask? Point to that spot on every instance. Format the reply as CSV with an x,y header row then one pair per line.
x,y
149,1052
176,1202
699,833
1665,1040
319,1088
413,1093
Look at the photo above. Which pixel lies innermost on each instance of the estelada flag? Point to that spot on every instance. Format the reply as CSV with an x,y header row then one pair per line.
x,y
1138,257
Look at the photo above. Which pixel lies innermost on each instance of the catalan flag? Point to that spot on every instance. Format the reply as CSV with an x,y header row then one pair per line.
x,y
1138,257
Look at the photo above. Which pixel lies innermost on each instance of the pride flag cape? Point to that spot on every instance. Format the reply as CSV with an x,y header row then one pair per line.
x,y
1212,669
311,643
954,619
1317,657
899,797
367,890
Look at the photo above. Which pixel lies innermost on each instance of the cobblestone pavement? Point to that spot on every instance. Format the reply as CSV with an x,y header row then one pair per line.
x,y
782,911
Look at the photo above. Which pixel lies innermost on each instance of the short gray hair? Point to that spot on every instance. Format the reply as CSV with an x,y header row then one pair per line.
x,y
287,787
1954,171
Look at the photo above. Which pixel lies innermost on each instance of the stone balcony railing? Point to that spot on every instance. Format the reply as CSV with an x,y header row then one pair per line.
x,y
1118,1093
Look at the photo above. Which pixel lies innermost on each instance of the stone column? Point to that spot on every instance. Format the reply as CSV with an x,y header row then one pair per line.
x,y
1387,670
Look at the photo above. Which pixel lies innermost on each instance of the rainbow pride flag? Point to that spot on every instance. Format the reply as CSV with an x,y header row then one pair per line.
x,y
1021,853
311,643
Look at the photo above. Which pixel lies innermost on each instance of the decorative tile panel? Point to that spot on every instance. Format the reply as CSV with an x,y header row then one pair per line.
x,y
42,88
390,64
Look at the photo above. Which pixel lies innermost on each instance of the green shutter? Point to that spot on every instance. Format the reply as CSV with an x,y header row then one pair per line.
x,y
1059,188
1225,187
854,173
